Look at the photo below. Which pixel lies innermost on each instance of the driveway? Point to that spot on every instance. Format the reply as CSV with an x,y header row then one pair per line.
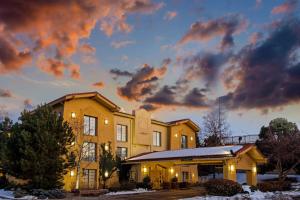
x,y
157,195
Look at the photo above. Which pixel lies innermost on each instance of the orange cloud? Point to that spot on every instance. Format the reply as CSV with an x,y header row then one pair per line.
x,y
170,15
99,84
286,7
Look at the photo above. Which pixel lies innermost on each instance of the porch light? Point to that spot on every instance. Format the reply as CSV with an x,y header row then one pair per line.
x,y
254,170
172,170
231,168
106,147
145,169
72,173
106,174
176,175
193,174
192,138
73,115
106,121
176,135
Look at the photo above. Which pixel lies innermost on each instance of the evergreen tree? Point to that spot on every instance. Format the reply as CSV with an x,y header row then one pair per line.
x,y
108,163
38,148
5,131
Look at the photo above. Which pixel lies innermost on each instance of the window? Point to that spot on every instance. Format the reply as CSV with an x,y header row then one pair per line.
x,y
185,176
89,178
121,133
89,151
89,125
156,138
122,152
184,144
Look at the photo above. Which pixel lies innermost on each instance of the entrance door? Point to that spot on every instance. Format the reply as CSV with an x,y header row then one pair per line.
x,y
89,178
185,176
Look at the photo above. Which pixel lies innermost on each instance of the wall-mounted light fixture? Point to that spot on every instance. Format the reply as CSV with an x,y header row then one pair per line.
x,y
73,115
254,169
73,143
231,168
171,170
145,169
106,173
72,173
193,174
192,138
176,175
106,147
176,135
106,121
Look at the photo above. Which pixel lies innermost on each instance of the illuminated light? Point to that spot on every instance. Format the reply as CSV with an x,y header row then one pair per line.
x,y
192,138
254,170
176,135
73,115
106,147
73,143
72,173
231,168
106,173
172,170
193,175
106,121
176,175
145,169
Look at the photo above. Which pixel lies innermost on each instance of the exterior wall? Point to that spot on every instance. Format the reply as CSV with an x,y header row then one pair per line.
x,y
175,136
164,137
104,132
129,123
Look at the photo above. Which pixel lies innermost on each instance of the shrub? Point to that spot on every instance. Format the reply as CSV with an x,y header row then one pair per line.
x,y
146,184
166,185
3,182
128,186
271,186
223,187
183,185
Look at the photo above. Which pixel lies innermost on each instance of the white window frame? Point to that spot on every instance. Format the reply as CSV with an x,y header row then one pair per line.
x,y
123,135
89,151
120,152
156,138
185,146
88,130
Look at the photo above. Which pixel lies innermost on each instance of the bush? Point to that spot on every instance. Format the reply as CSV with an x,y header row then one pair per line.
x,y
3,182
223,187
174,183
146,184
166,185
128,186
183,185
272,186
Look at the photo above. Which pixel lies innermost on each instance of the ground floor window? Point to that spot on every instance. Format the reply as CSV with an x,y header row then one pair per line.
x,y
185,176
89,178
122,152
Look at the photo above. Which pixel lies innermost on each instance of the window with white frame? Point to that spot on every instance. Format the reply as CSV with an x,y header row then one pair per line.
x,y
89,151
184,141
122,152
121,133
156,138
89,125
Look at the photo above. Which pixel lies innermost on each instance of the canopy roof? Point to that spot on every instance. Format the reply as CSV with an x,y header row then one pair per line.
x,y
203,152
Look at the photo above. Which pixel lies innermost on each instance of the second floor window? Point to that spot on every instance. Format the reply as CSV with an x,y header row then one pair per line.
x,y
122,152
156,138
121,133
89,125
89,151
184,141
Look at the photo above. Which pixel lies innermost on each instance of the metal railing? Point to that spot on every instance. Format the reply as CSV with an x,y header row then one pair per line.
x,y
244,139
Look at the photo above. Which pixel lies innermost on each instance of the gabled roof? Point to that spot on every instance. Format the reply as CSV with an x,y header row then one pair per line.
x,y
202,152
92,95
189,122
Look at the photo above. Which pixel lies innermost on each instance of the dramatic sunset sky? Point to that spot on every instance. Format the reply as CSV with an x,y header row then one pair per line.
x,y
175,58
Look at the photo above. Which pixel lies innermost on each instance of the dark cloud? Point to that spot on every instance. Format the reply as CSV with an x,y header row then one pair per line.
x,y
286,7
149,107
225,27
143,82
51,30
267,74
204,66
196,98
165,96
5,93
118,72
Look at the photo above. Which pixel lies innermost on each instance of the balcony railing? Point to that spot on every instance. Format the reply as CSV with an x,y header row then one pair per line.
x,y
244,139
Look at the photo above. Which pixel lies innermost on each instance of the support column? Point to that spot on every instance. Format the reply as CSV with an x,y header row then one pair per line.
x,y
229,171
252,176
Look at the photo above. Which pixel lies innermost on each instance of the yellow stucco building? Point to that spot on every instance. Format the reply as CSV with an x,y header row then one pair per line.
x,y
159,149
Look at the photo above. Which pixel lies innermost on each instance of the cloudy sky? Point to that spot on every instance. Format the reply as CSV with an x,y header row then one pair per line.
x,y
175,58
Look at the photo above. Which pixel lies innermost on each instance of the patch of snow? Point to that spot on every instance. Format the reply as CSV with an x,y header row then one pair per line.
x,y
7,194
256,195
196,152
135,191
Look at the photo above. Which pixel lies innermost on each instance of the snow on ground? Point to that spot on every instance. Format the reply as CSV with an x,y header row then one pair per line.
x,y
135,191
6,194
256,195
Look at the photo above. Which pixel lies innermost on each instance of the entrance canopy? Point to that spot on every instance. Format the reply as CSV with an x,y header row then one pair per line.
x,y
202,153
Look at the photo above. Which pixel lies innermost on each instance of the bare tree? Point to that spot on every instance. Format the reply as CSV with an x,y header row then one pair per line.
x,y
215,127
3,113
